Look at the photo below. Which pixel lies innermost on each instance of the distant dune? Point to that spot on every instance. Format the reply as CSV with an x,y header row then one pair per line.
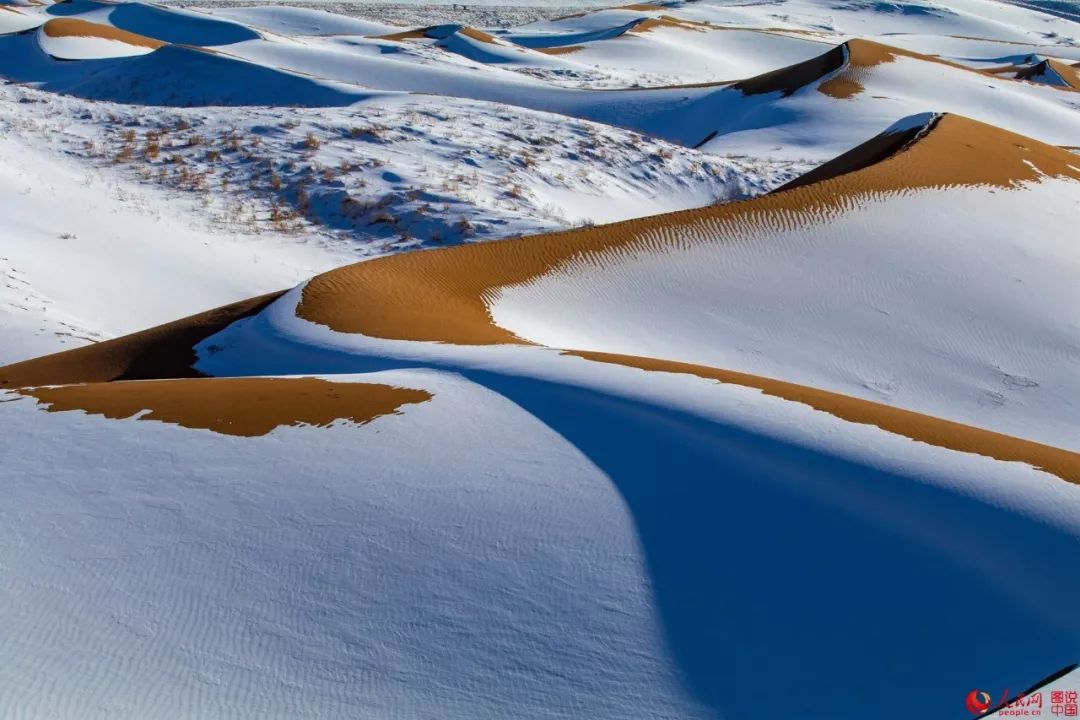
x,y
682,360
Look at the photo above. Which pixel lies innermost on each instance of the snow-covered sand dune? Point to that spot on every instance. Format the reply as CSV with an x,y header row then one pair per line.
x,y
570,504
804,448
836,89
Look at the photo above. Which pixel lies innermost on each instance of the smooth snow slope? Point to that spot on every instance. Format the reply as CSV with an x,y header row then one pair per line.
x,y
587,540
666,468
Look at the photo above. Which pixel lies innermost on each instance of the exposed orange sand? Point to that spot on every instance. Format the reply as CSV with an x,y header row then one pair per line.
x,y
425,33
566,50
1068,73
479,35
165,351
417,34
923,428
232,406
74,27
640,7
841,88
441,295
861,55
864,54
669,21
875,150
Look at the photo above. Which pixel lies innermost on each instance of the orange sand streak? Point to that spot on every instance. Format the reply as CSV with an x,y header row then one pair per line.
x,y
916,426
74,27
441,295
245,407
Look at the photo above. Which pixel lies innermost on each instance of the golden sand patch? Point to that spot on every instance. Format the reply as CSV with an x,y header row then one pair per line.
x,y
165,351
1004,69
428,33
841,88
864,54
442,295
565,50
922,428
74,27
669,21
1068,73
478,35
417,34
245,407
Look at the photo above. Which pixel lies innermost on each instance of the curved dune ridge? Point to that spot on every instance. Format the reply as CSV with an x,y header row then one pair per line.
x,y
165,351
246,407
843,62
667,21
789,79
862,55
442,295
439,32
847,63
74,27
1060,74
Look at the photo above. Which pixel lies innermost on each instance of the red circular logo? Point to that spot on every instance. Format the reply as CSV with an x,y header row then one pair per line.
x,y
978,702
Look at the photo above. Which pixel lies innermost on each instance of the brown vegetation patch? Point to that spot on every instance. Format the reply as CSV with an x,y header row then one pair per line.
x,y
922,428
74,27
442,295
232,406
165,351
641,7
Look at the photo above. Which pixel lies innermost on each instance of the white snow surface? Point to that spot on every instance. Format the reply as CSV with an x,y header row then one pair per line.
x,y
547,537
962,318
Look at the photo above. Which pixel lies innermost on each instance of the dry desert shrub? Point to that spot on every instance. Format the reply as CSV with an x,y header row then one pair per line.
x,y
152,146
